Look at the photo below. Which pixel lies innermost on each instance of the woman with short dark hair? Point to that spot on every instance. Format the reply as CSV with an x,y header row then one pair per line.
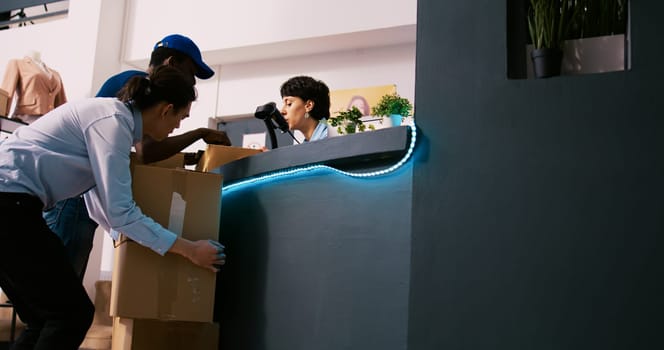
x,y
306,106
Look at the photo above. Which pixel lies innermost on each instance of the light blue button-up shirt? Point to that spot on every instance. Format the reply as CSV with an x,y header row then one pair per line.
x,y
320,132
83,147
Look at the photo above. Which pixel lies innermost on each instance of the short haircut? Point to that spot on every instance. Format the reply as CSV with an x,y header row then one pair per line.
x,y
160,54
308,88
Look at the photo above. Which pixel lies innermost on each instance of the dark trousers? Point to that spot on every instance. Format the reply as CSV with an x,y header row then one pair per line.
x,y
38,278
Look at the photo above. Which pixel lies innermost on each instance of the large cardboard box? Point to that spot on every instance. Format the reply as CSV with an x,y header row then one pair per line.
x,y
4,103
217,155
149,286
137,334
176,161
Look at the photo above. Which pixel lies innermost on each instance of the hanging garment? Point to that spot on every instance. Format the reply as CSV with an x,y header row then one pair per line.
x,y
38,88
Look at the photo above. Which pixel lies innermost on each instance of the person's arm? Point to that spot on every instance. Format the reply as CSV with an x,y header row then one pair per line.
x,y
204,253
110,203
149,150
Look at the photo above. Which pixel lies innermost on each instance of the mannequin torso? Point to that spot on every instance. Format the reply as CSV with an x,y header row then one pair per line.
x,y
34,89
35,56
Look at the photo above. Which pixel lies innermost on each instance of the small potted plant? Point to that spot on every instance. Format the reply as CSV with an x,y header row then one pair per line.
x,y
348,121
549,22
393,106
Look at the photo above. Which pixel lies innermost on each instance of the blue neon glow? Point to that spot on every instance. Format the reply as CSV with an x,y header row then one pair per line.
x,y
303,169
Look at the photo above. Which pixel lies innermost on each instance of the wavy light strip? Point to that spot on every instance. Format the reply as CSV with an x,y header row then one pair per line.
x,y
299,170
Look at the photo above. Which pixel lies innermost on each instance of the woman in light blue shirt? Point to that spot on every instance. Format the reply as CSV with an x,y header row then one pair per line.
x,y
306,106
82,147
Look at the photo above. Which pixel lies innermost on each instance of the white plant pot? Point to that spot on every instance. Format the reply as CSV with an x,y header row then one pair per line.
x,y
332,131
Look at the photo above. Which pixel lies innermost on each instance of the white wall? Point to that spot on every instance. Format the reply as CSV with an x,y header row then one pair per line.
x,y
108,43
255,45
247,85
66,45
233,25
368,45
240,88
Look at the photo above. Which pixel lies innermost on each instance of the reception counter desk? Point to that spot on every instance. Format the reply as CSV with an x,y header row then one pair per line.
x,y
318,248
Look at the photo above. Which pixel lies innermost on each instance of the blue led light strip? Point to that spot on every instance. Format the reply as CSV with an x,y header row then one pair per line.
x,y
298,170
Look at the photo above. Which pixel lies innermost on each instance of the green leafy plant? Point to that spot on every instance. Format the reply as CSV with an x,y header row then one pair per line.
x,y
392,104
549,22
348,121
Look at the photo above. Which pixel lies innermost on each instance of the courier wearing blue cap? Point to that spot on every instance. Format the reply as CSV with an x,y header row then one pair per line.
x,y
174,50
69,219
184,45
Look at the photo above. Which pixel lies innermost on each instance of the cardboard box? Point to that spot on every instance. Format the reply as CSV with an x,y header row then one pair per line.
x,y
137,334
216,156
174,162
149,286
4,103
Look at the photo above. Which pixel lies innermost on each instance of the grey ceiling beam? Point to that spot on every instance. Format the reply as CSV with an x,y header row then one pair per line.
x,y
10,5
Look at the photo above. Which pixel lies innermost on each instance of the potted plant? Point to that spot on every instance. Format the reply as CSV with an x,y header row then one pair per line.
x,y
393,106
548,25
348,121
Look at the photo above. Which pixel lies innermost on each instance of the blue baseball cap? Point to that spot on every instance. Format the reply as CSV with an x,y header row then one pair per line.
x,y
187,46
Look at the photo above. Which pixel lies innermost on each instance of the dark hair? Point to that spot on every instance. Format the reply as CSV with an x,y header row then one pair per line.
x,y
161,53
308,88
164,84
178,60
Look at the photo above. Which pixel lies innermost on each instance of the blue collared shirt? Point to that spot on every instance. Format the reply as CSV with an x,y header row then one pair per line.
x,y
320,132
83,147
113,84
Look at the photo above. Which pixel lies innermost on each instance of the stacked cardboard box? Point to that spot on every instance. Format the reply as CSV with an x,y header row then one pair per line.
x,y
156,299
166,302
216,156
164,335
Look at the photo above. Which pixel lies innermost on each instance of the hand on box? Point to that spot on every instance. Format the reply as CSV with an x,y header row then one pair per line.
x,y
216,137
221,256
207,254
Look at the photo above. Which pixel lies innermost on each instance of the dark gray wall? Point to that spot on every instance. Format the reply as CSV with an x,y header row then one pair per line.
x,y
317,261
538,205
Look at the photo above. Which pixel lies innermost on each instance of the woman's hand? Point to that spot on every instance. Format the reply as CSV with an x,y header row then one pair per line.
x,y
208,254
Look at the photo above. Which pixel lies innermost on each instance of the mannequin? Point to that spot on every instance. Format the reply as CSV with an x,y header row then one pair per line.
x,y
35,55
36,58
36,87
